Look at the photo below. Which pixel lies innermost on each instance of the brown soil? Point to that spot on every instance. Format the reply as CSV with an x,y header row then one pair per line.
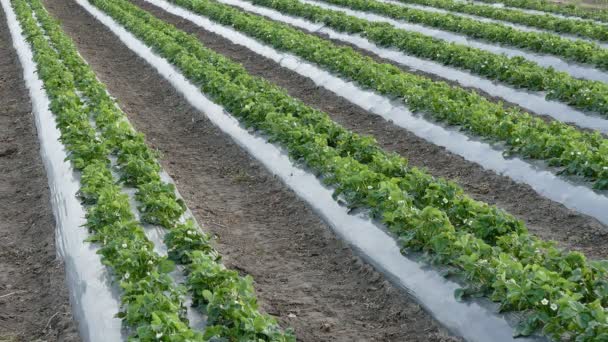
x,y
34,302
304,274
545,218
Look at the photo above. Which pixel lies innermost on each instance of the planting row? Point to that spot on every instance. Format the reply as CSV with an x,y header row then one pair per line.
x,y
485,245
548,22
577,152
152,304
516,71
552,7
577,51
120,236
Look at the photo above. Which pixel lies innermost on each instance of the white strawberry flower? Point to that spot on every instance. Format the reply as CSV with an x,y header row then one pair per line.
x,y
544,301
553,306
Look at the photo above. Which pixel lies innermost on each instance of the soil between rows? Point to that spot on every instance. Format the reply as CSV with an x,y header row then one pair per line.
x,y
300,267
34,302
545,218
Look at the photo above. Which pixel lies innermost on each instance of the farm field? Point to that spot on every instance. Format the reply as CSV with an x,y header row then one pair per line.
x,y
310,170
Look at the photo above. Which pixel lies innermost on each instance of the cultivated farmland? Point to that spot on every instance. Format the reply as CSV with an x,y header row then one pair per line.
x,y
303,170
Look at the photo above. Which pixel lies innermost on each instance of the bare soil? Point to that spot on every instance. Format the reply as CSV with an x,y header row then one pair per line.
x,y
34,304
545,218
304,274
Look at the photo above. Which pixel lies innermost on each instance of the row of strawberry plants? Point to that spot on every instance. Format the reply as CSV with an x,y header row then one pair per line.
x,y
516,71
577,51
577,152
230,304
228,297
552,7
152,305
548,22
492,250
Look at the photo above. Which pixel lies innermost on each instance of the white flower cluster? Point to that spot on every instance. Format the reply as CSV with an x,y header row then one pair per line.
x,y
545,302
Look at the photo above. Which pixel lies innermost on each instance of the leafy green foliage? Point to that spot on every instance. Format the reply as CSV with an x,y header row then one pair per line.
x,y
228,299
491,250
